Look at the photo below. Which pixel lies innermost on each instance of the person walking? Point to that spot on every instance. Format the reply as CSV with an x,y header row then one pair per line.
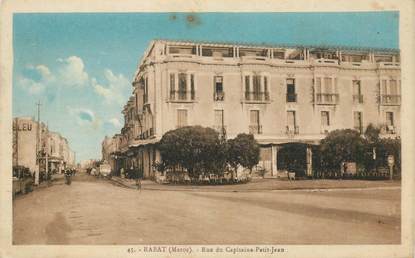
x,y
138,178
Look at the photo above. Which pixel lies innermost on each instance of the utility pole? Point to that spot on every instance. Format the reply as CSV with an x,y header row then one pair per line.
x,y
16,141
47,153
38,104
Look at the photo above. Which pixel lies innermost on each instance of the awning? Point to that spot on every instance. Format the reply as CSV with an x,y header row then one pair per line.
x,y
139,143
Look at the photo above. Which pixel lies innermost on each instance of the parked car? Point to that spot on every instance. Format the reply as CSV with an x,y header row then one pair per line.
x,y
104,170
22,180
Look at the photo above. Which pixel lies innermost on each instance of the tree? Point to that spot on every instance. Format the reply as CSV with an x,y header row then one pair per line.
x,y
372,133
386,147
344,145
381,148
244,151
194,148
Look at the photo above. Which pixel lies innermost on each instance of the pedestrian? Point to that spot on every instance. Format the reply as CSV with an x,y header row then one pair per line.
x,y
122,172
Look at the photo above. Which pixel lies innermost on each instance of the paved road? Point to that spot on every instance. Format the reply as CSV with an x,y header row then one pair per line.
x,y
94,211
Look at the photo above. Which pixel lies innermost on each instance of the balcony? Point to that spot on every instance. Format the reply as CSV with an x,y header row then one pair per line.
x,y
219,96
292,130
358,99
291,97
255,129
327,98
257,97
390,99
181,96
146,134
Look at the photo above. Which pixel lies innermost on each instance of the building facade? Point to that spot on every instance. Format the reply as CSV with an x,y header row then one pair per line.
x,y
34,146
281,95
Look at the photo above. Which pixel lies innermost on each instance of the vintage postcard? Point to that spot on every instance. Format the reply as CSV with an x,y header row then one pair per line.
x,y
206,128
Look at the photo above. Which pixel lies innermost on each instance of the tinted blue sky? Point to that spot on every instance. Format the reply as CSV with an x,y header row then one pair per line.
x,y
81,65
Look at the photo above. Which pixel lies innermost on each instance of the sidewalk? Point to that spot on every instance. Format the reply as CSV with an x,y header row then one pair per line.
x,y
260,184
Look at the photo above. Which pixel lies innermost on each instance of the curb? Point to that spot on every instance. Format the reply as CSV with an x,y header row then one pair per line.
x,y
122,184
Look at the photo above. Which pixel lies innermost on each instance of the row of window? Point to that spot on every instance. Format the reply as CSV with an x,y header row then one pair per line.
x,y
256,88
255,126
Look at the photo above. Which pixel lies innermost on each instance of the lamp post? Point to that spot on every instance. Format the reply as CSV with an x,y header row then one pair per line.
x,y
391,163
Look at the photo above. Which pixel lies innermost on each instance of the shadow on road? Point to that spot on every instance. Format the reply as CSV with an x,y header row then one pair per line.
x,y
57,230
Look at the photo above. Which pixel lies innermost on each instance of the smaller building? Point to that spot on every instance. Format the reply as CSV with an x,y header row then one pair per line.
x,y
39,149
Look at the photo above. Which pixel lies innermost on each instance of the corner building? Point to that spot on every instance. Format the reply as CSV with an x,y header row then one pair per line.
x,y
281,95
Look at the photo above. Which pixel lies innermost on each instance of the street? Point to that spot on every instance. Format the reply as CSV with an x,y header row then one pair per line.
x,y
96,211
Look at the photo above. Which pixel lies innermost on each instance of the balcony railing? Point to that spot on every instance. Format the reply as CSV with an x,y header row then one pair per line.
x,y
291,130
256,96
390,99
327,98
255,129
291,97
219,96
178,95
146,134
358,98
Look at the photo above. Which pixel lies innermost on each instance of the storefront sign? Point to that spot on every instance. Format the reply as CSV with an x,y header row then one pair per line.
x,y
23,127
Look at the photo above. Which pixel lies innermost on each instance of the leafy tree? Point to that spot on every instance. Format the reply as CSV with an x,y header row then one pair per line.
x,y
244,151
193,148
372,133
382,147
344,145
386,147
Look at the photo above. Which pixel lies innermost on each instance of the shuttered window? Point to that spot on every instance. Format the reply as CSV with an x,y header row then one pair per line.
x,y
291,119
181,117
219,118
325,118
254,117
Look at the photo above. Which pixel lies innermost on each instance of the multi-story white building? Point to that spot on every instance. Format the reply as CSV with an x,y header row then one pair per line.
x,y
280,94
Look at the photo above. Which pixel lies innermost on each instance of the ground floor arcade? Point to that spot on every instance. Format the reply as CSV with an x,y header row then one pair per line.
x,y
274,158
